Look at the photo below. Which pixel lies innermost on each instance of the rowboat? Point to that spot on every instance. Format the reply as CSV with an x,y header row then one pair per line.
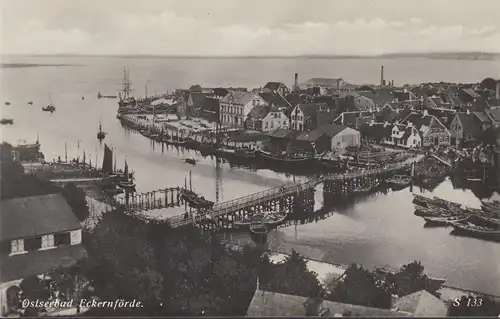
x,y
270,219
191,161
493,223
445,203
444,221
195,200
424,211
258,228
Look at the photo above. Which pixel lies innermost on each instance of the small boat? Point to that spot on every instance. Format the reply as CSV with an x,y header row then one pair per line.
x,y
473,230
445,203
191,161
444,221
6,121
493,223
270,219
426,212
49,108
258,228
30,103
128,183
100,135
195,200
399,181
284,158
7,103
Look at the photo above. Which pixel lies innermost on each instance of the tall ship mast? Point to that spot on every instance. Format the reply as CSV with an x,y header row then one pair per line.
x,y
125,97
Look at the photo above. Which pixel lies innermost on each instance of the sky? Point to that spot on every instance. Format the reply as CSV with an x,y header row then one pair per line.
x,y
250,27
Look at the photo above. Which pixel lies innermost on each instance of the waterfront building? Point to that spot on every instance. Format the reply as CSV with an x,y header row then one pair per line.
x,y
405,136
332,137
308,116
274,119
38,234
236,106
432,131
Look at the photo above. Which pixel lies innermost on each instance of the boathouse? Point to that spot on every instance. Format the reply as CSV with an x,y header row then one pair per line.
x,y
38,234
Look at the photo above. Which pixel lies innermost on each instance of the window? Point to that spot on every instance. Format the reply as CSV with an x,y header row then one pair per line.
x,y
17,246
272,124
47,241
266,125
284,123
62,239
76,237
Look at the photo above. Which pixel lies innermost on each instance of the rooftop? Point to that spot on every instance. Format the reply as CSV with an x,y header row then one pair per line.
x,y
36,216
421,304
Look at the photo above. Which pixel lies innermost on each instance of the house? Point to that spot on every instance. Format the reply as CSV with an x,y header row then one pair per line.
x,y
431,130
271,304
465,128
333,137
277,87
236,106
363,103
421,304
274,119
467,95
38,234
306,117
405,136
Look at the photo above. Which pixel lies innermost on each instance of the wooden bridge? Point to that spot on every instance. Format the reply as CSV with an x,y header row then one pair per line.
x,y
291,197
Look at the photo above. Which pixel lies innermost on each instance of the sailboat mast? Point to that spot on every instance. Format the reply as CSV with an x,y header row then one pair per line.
x,y
65,152
190,182
185,182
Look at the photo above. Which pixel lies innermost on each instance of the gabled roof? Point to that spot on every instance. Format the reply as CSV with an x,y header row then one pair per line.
x,y
36,216
470,123
294,99
482,117
419,120
470,92
493,102
239,98
407,133
310,109
269,304
422,304
331,129
221,92
274,86
494,114
39,262
275,98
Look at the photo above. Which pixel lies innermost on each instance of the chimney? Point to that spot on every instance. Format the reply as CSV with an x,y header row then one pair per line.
x,y
426,113
372,121
468,111
382,81
497,91
410,124
386,124
296,82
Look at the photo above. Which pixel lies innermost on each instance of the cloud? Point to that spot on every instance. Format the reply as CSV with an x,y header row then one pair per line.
x,y
168,33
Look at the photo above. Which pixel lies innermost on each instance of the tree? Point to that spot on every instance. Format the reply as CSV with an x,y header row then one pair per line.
x,y
359,286
293,277
121,261
33,289
411,278
462,307
76,200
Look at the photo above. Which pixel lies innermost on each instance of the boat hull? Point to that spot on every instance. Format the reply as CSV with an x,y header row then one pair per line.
x,y
297,161
461,229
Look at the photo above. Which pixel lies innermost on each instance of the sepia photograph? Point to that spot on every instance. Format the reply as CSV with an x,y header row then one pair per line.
x,y
233,158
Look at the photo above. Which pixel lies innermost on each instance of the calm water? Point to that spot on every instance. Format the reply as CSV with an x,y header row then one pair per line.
x,y
378,230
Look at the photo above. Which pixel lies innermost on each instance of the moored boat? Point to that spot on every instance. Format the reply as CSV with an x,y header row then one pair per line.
x,y
7,103
191,161
399,181
493,223
49,108
444,221
258,228
195,200
473,230
6,121
284,158
270,219
365,189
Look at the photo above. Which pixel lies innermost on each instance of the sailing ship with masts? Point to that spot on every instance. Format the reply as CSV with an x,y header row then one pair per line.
x,y
125,98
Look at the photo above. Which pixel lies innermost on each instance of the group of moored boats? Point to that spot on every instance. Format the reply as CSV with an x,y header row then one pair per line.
x,y
482,223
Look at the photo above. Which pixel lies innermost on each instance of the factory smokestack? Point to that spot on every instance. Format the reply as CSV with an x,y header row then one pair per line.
x,y
382,81
296,82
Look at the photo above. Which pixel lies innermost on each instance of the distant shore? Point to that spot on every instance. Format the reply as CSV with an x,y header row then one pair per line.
x,y
472,56
30,65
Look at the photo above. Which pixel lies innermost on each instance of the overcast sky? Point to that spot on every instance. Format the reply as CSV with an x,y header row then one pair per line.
x,y
251,27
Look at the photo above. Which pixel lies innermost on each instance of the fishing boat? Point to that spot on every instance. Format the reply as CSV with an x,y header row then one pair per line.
x,y
399,181
128,184
6,121
30,103
493,223
491,211
444,221
424,212
491,207
492,204
283,158
258,228
100,135
195,200
244,153
270,219
473,230
7,103
191,161
445,203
